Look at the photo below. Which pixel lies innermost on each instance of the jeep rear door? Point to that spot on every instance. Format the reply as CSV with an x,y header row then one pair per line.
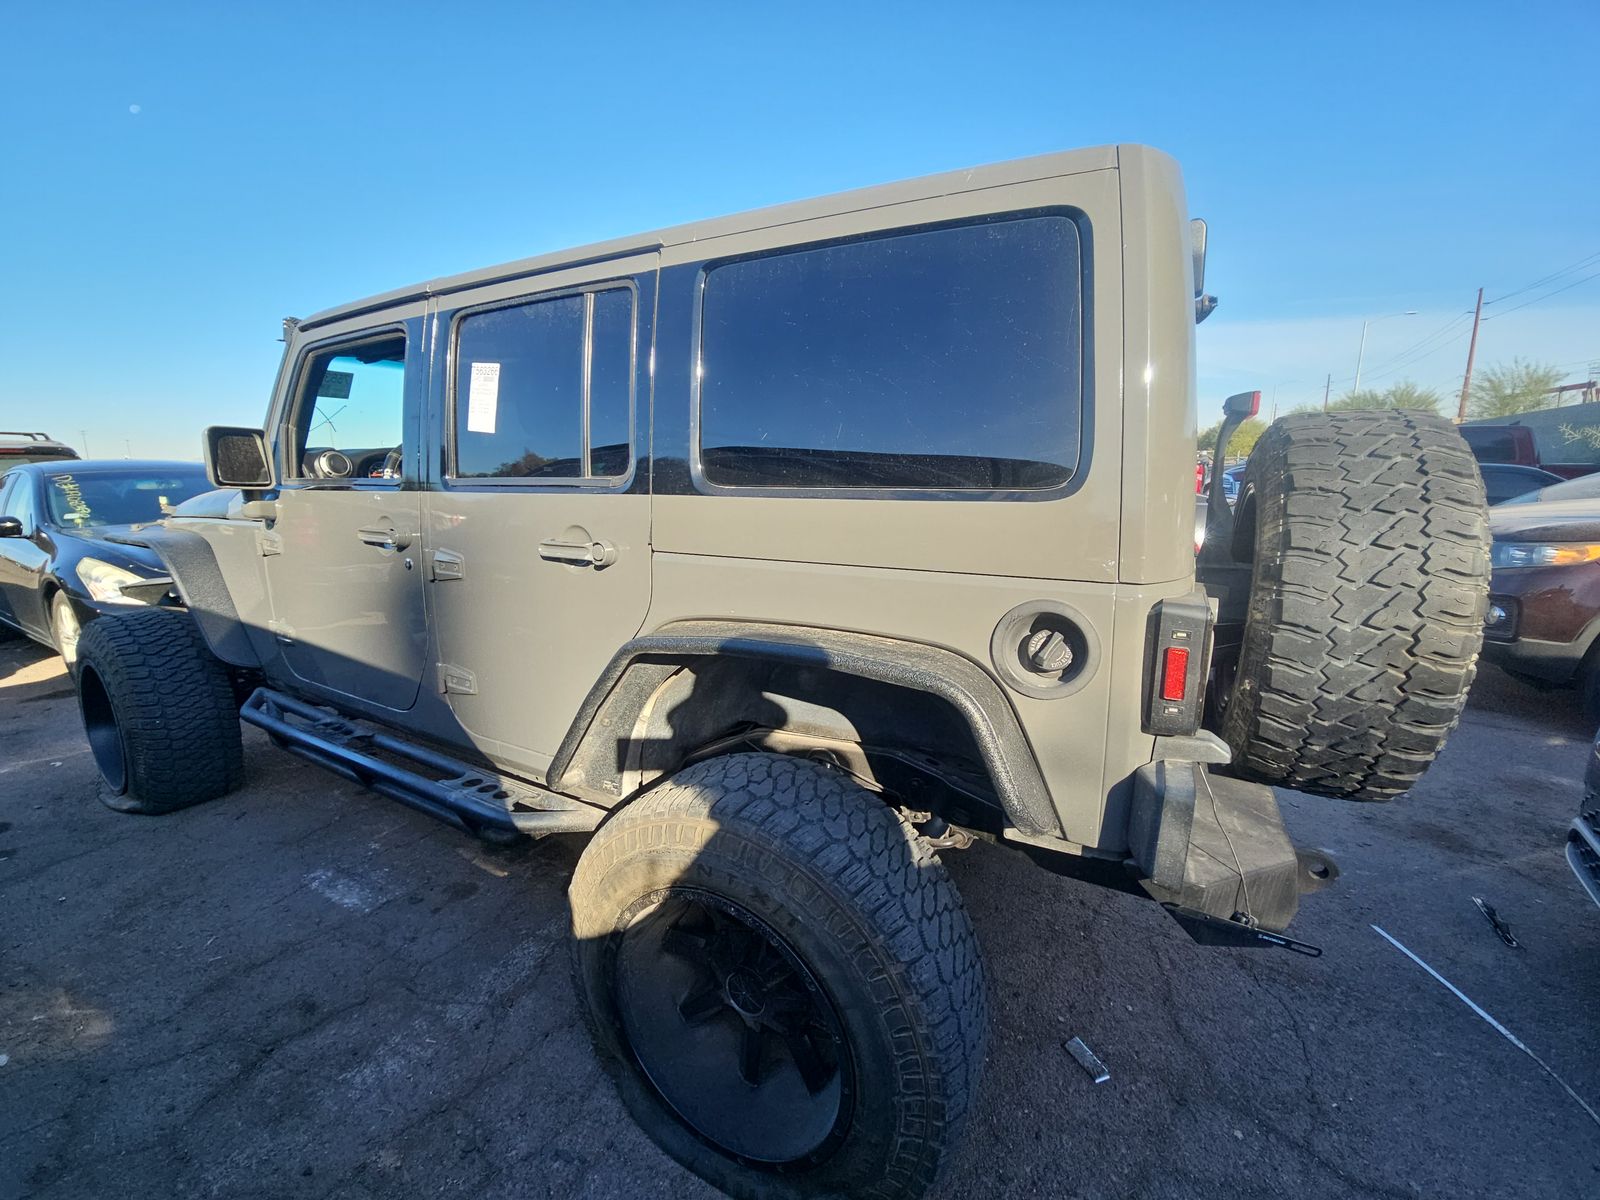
x,y
538,512
344,550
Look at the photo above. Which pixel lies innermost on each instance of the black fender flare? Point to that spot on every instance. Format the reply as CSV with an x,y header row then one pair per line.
x,y
193,566
617,699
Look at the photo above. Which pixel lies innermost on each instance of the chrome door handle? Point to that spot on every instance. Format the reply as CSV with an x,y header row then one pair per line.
x,y
596,554
385,538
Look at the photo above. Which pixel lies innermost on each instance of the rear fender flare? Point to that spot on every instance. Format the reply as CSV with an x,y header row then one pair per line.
x,y
613,708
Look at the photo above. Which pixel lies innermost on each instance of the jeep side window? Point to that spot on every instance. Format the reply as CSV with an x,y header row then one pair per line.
x,y
349,412
544,390
945,358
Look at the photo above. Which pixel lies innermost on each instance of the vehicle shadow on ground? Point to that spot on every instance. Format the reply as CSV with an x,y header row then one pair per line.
x,y
30,672
1495,692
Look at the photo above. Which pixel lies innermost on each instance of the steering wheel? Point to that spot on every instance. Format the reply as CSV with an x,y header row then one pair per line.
x,y
392,463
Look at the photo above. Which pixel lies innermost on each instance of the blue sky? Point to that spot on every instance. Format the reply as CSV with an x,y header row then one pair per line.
x,y
177,178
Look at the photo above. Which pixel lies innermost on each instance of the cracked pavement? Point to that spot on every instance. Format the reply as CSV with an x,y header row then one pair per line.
x,y
305,990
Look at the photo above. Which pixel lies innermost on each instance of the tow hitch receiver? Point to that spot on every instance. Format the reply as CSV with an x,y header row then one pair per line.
x,y
1214,931
1214,852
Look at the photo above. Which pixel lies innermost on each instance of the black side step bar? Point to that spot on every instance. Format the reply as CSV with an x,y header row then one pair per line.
x,y
468,797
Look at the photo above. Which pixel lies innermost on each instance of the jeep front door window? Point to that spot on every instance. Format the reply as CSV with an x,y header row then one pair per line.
x,y
349,417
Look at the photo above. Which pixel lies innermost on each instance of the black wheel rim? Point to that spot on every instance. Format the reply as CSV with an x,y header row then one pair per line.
x,y
731,1029
105,736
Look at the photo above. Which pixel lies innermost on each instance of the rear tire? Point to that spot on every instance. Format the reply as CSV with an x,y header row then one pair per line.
x,y
1369,586
756,888
158,710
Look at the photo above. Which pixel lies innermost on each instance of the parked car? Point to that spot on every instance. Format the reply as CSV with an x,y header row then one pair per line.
x,y
1232,480
1544,599
1517,445
1502,444
61,563
17,448
1585,487
777,555
1506,481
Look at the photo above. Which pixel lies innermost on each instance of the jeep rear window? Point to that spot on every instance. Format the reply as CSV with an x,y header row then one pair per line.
x,y
946,358
544,389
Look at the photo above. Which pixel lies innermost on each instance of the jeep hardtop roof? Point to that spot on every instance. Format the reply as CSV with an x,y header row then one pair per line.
x,y
1020,170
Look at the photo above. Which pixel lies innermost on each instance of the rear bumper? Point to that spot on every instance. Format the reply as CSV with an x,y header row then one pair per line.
x,y
1217,845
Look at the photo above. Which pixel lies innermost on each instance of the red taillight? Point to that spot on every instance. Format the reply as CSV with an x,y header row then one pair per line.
x,y
1199,478
1175,673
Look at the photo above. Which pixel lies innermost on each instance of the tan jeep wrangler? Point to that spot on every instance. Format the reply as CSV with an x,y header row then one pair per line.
x,y
780,553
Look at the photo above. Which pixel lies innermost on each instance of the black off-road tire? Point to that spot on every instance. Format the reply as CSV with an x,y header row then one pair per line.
x,y
159,711
860,900
1367,597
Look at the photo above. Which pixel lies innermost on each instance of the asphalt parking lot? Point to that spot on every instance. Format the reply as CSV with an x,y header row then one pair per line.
x,y
304,990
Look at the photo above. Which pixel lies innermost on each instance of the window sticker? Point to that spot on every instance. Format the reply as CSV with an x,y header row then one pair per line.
x,y
336,384
483,397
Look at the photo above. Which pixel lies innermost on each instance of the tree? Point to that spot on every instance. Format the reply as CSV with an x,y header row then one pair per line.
x,y
1404,394
1504,390
1242,441
1364,399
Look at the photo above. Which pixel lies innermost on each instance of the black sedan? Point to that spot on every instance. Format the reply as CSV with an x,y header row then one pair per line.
x,y
60,561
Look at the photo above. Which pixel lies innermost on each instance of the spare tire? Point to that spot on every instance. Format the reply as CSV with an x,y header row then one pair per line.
x,y
1368,588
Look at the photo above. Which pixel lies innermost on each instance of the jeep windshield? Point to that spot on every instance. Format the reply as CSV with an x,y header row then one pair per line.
x,y
95,498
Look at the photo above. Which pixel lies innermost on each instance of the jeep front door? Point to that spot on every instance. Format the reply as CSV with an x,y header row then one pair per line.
x,y
539,524
343,550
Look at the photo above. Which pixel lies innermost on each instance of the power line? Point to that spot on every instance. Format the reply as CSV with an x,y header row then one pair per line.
x,y
1440,333
1528,287
1449,343
1546,296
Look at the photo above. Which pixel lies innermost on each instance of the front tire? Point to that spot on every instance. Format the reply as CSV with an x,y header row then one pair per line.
x,y
65,631
158,710
784,979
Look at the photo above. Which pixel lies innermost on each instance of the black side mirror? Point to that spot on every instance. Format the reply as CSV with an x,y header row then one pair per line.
x,y
10,527
237,458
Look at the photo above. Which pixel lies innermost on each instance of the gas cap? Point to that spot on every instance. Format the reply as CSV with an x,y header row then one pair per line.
x,y
1044,649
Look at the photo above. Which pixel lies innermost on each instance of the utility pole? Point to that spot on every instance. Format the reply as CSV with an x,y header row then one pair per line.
x,y
1472,349
1326,388
84,433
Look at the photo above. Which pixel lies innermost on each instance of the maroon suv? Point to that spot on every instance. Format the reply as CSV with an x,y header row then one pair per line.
x,y
1544,603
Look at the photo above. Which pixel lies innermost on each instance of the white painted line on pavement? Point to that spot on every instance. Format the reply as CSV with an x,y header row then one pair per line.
x,y
54,760
1499,1028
